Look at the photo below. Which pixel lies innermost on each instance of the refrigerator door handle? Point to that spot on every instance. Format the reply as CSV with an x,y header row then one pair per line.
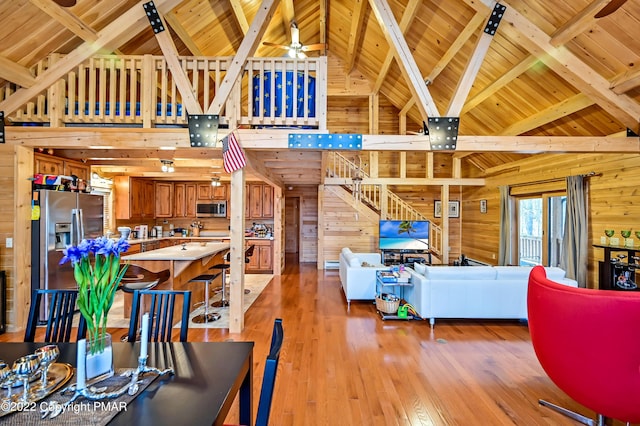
x,y
77,228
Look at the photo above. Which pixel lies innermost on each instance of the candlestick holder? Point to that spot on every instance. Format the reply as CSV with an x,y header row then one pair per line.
x,y
140,370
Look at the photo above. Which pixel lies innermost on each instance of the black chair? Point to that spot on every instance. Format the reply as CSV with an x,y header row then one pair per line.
x,y
269,378
160,314
224,266
138,278
206,316
61,309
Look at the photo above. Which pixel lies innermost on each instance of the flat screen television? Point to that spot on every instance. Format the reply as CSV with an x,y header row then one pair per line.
x,y
404,235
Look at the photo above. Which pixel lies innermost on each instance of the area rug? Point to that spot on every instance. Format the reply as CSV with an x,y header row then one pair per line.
x,y
254,282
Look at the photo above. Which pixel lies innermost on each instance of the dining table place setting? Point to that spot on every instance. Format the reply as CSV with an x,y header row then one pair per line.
x,y
33,386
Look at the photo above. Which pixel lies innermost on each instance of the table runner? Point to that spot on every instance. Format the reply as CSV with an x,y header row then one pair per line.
x,y
82,411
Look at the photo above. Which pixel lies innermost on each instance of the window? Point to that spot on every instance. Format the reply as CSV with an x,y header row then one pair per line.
x,y
540,229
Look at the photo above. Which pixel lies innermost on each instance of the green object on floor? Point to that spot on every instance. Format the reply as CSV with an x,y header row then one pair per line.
x,y
403,311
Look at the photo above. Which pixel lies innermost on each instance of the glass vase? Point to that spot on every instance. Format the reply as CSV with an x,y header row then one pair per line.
x,y
99,359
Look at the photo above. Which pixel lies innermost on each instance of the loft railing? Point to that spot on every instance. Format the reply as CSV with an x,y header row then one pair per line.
x,y
385,202
141,90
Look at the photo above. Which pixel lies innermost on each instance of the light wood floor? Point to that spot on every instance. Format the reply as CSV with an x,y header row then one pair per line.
x,y
352,368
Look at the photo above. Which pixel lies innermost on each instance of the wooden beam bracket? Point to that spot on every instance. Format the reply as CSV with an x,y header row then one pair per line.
x,y
494,19
203,130
154,17
442,132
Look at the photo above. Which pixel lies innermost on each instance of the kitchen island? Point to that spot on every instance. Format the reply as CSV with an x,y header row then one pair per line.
x,y
184,262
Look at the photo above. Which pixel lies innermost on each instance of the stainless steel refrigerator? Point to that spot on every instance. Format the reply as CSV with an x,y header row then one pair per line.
x,y
66,218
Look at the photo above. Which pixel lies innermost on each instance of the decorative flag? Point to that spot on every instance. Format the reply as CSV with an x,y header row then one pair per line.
x,y
232,156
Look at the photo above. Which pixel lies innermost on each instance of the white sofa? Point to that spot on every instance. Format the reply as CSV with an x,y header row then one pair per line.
x,y
498,292
358,281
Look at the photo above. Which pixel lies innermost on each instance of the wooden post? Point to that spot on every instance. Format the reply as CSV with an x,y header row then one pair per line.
x,y
236,288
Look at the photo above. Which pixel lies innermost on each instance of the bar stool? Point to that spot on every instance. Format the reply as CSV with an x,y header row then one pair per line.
x,y
223,267
207,316
137,278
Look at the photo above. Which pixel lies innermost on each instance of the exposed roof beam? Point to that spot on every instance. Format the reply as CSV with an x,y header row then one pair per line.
x,y
580,23
66,18
266,140
183,34
247,48
140,154
405,22
120,30
170,53
322,22
550,114
453,50
505,79
407,63
626,81
241,18
471,71
355,32
568,66
16,73
409,181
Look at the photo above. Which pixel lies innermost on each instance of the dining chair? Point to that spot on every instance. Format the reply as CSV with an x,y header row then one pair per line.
x,y
224,301
161,314
587,343
59,322
269,376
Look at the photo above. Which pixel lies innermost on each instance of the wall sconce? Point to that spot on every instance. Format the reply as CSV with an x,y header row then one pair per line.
x,y
167,166
215,181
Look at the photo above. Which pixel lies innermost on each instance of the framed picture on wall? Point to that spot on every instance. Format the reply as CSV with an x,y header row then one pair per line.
x,y
454,208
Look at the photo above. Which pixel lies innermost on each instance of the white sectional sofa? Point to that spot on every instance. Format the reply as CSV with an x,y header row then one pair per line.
x,y
498,292
358,281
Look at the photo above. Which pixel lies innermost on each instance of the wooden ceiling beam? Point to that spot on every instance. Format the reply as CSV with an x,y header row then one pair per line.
x,y
258,168
247,48
409,181
170,53
624,82
183,34
550,114
567,65
238,13
119,31
355,33
498,84
405,22
469,74
288,12
261,140
16,73
322,23
407,63
577,25
65,17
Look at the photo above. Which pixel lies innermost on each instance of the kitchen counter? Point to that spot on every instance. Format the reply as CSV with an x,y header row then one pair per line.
x,y
191,251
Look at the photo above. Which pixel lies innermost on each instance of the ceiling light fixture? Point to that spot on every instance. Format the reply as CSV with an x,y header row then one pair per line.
x,y
167,166
215,181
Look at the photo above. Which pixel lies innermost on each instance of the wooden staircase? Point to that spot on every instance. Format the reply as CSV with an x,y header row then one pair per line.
x,y
387,204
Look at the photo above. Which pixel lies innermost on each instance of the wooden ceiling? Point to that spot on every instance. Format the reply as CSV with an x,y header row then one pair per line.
x,y
552,69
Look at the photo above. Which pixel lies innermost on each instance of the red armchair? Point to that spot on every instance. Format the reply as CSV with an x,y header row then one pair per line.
x,y
588,343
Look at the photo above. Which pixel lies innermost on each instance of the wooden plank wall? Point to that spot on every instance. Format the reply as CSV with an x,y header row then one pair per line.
x,y
7,213
614,200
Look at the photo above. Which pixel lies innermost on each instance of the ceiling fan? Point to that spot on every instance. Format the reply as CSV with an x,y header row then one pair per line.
x,y
611,7
296,49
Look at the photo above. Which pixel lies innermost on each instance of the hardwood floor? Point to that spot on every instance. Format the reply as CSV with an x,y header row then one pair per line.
x,y
352,368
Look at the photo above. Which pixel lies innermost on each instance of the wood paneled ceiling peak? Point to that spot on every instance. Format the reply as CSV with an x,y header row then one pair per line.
x,y
552,69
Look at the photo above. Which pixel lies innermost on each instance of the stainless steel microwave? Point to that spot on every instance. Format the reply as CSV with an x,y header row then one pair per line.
x,y
211,209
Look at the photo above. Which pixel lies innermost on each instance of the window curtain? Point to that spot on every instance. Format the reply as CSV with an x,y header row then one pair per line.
x,y
574,244
504,251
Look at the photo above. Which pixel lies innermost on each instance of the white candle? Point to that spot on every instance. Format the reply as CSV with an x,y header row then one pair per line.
x,y
80,365
144,336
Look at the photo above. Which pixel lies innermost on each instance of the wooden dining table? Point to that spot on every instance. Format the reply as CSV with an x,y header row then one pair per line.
x,y
208,377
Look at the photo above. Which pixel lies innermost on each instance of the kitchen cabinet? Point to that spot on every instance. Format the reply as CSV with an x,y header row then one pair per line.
x,y
50,165
259,203
208,192
262,259
185,200
164,199
134,198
